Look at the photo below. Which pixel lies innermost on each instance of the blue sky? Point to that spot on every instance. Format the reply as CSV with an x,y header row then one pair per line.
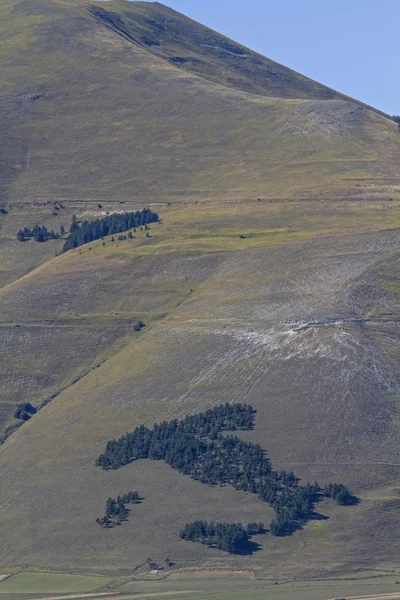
x,y
349,45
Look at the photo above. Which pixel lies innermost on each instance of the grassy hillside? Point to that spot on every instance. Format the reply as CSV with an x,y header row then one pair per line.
x,y
273,279
220,318
204,52
92,109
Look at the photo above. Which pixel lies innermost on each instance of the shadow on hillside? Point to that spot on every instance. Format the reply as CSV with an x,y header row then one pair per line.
x,y
316,516
352,501
249,548
299,525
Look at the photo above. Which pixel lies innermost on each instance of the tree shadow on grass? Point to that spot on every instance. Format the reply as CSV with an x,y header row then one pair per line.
x,y
249,549
351,501
316,516
246,550
300,524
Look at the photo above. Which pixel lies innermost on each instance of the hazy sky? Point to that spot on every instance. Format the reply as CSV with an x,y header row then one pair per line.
x,y
349,45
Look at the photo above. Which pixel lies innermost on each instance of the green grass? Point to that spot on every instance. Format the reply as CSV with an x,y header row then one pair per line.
x,y
224,587
46,583
204,588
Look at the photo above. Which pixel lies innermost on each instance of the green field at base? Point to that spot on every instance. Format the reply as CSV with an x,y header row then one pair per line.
x,y
231,587
49,583
201,587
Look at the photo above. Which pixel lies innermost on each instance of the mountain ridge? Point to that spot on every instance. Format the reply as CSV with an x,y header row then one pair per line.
x,y
276,69
65,75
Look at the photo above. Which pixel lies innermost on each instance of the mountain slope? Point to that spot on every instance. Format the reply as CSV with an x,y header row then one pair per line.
x,y
90,114
220,314
206,53
272,279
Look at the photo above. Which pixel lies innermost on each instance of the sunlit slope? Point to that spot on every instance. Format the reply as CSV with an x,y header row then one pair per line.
x,y
221,312
206,53
90,114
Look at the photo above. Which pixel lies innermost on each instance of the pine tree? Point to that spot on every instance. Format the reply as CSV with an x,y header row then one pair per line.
x,y
74,224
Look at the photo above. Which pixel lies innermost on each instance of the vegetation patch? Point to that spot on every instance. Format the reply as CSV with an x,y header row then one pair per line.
x,y
88,231
116,510
340,493
39,234
196,446
230,537
47,583
24,411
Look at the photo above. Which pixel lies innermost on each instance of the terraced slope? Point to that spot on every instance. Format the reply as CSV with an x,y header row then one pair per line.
x,y
272,280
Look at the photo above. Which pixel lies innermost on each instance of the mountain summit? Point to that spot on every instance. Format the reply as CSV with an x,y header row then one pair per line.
x,y
95,95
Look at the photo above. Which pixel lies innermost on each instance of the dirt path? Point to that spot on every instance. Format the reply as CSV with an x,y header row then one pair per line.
x,y
393,596
77,596
115,594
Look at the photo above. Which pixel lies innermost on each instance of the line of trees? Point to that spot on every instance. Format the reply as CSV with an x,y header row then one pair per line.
x,y
116,510
87,231
340,493
197,446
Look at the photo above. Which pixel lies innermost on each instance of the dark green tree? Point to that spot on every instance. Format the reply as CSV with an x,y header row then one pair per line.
x,y
74,224
24,411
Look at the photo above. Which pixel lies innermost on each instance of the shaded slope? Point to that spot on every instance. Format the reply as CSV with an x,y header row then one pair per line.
x,y
90,115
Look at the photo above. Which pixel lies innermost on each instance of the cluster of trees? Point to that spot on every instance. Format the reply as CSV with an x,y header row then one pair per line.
x,y
39,234
293,505
24,411
225,417
196,446
88,231
186,443
230,537
340,493
116,510
139,326
254,528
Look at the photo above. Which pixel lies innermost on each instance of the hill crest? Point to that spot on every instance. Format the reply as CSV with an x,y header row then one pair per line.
x,y
200,50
